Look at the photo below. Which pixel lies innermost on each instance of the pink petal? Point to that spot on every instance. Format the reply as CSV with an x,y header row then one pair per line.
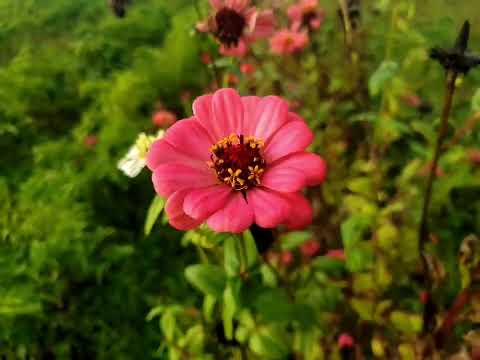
x,y
162,152
250,104
301,212
189,137
217,4
264,25
236,216
251,15
292,137
171,177
284,178
270,207
270,115
295,13
238,5
238,51
176,216
311,165
228,111
202,109
203,202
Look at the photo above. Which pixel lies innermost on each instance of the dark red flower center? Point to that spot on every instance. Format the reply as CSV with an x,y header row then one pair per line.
x,y
238,161
229,26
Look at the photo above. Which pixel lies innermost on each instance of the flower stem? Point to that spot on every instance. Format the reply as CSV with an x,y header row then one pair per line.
x,y
423,233
347,24
447,106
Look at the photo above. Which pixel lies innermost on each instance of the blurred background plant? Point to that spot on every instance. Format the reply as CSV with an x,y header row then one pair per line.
x,y
86,268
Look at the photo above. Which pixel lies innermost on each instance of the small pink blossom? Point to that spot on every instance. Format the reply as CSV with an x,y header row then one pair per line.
x,y
338,254
236,24
310,248
235,162
247,68
287,42
306,13
163,118
90,141
345,340
412,100
286,258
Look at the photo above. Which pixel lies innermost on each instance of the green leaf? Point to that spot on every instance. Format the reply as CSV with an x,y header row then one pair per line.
x,y
230,305
405,322
232,256
168,324
294,239
209,279
273,305
334,267
153,213
250,248
382,76
353,228
269,343
476,101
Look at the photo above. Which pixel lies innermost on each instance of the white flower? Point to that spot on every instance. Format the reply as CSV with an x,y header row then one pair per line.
x,y
135,159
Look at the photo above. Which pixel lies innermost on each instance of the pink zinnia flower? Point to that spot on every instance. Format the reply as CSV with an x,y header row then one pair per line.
x,y
306,13
163,118
236,24
286,42
237,161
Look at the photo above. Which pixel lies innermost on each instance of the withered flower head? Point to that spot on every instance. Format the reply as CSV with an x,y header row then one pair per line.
x,y
457,58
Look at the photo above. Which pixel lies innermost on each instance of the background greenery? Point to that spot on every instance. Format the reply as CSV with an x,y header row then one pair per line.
x,y
77,274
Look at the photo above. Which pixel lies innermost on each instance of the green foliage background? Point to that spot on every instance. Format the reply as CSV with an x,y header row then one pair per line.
x,y
77,275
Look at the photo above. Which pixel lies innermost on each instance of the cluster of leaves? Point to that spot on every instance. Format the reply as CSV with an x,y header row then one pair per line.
x,y
77,84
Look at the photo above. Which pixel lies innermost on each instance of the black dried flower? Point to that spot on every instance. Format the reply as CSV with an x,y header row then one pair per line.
x,y
457,59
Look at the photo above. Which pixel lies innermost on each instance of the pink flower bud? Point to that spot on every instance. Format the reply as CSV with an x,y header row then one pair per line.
x,y
474,156
163,118
412,100
310,248
206,58
345,340
247,68
90,141
424,297
286,258
336,254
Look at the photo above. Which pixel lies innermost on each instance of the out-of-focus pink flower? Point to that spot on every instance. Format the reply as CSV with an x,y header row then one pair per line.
x,y
206,58
247,68
286,42
345,340
235,162
310,248
286,258
90,141
424,297
163,118
412,100
306,13
425,170
236,25
338,254
474,156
